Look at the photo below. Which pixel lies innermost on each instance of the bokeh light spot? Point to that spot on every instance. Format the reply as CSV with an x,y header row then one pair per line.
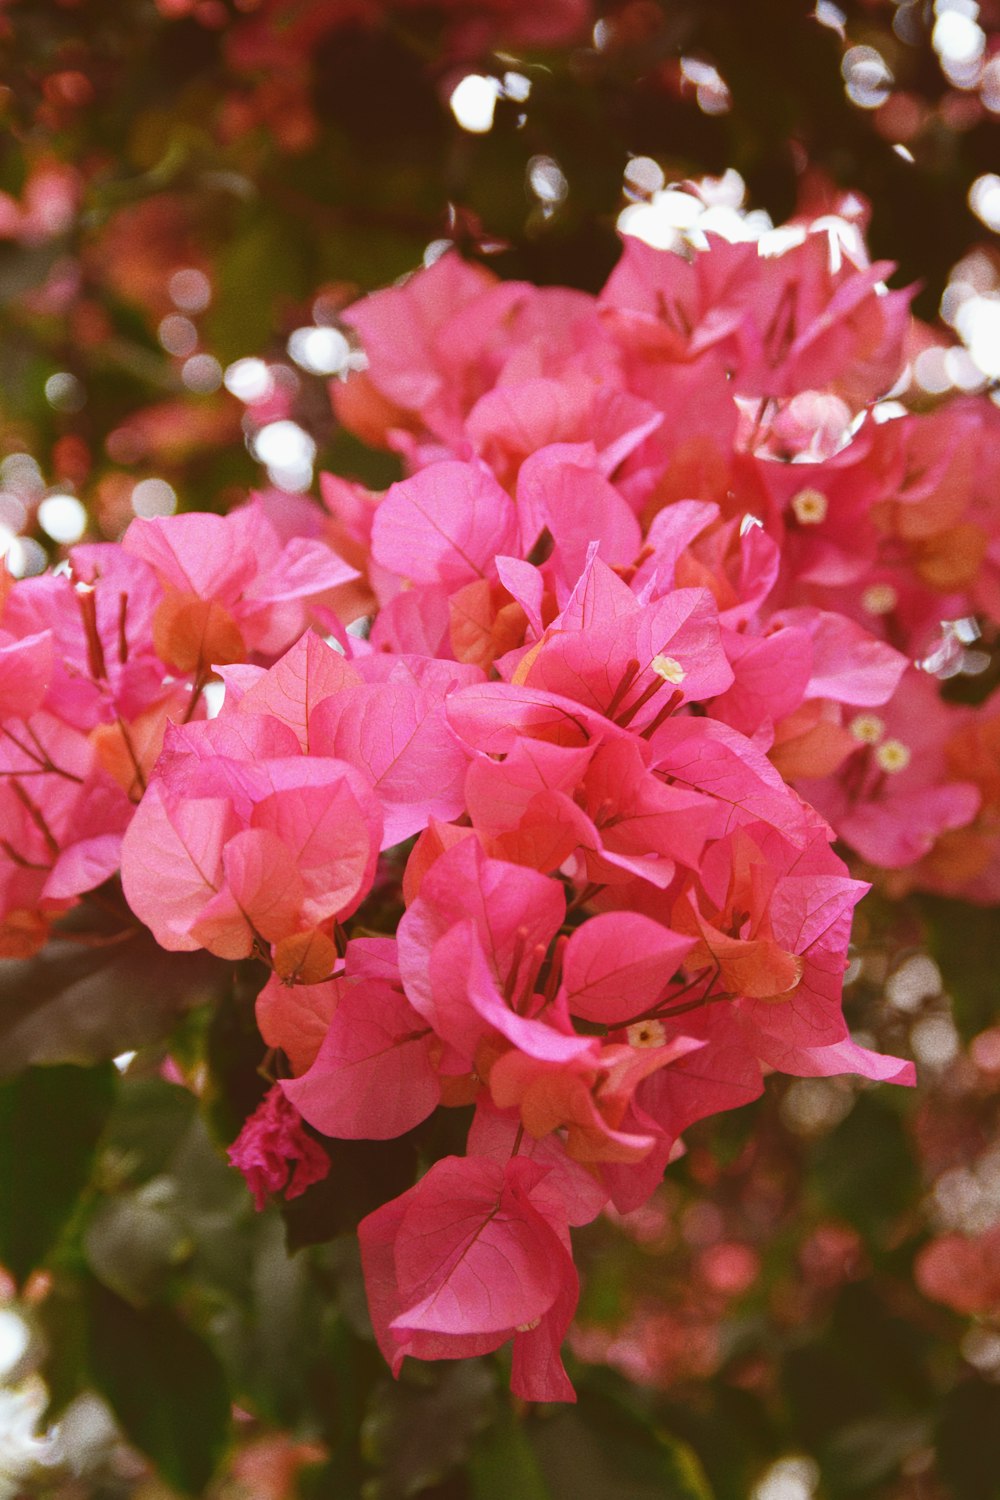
x,y
62,518
473,102
177,335
867,77
984,200
793,1478
190,290
202,374
64,392
26,558
248,380
321,351
154,497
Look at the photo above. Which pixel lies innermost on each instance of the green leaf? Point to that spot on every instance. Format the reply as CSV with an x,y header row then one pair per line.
x,y
870,1366
363,1176
864,1171
965,940
417,1434
76,1004
62,1323
871,1450
348,455
234,1050
504,1463
165,1385
50,1121
134,1240
261,262
266,1331
602,1451
150,1120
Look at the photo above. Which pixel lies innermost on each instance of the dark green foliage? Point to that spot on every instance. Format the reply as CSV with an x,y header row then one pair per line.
x,y
164,1384
969,1440
50,1122
863,1170
81,1004
965,940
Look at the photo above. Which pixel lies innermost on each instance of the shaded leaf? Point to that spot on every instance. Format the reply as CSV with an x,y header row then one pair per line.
x,y
259,256
150,1119
50,1121
504,1463
363,1176
603,1452
164,1384
417,1435
965,940
82,1004
871,1450
133,1241
864,1171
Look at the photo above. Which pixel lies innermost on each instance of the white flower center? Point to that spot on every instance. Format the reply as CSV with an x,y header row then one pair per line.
x,y
646,1034
669,669
810,507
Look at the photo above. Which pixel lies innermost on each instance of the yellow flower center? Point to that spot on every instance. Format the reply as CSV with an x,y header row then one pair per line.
x,y
880,599
893,756
868,728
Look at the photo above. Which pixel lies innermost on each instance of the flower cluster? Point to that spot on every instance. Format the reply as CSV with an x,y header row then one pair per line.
x,y
99,658
542,822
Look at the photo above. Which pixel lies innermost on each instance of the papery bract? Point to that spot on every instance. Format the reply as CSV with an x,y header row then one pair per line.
x,y
464,1262
373,1076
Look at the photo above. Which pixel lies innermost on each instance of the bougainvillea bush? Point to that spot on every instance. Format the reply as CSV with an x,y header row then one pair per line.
x,y
519,781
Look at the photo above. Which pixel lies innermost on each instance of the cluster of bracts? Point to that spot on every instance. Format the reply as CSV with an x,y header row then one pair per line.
x,y
663,606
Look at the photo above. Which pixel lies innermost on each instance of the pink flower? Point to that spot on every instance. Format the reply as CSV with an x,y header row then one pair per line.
x,y
274,1153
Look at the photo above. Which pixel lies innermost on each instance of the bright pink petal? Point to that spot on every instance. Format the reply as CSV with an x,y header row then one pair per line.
x,y
568,1191
196,553
514,910
849,664
262,876
445,524
468,1006
538,1373
84,866
397,734
492,716
842,1057
305,567
307,674
618,964
295,1017
373,1077
172,862
722,1075
472,1255
326,815
25,673
711,758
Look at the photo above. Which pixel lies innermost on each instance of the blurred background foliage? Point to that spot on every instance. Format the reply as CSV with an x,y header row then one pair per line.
x,y
190,194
